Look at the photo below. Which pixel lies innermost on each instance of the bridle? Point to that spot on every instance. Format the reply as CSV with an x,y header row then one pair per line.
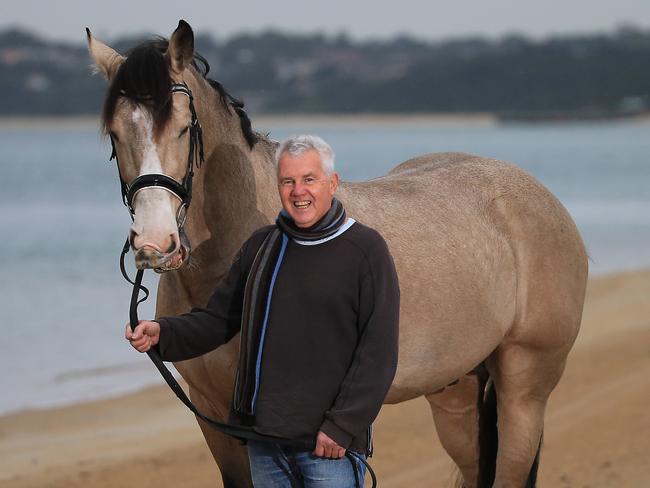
x,y
182,190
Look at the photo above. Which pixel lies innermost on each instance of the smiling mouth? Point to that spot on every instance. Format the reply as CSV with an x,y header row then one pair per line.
x,y
303,204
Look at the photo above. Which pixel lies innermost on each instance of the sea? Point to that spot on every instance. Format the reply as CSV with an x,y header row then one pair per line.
x,y
62,224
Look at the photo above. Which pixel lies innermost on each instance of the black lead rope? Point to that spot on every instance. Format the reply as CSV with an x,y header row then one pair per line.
x,y
239,432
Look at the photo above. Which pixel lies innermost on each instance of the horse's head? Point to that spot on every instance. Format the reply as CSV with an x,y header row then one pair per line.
x,y
150,118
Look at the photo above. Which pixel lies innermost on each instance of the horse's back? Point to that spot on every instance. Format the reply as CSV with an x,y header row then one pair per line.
x,y
465,232
428,162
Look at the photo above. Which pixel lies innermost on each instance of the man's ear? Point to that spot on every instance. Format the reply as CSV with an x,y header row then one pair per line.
x,y
334,182
106,59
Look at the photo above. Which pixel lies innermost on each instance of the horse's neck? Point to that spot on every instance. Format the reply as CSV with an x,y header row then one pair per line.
x,y
234,193
241,193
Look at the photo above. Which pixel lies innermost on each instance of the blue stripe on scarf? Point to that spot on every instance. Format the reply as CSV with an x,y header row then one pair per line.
x,y
258,364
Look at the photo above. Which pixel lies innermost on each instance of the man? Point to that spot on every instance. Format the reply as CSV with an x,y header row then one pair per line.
x,y
316,300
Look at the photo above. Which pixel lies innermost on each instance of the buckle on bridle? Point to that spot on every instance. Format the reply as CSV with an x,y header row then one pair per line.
x,y
181,215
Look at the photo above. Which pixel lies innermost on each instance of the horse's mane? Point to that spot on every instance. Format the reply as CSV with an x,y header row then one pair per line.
x,y
144,78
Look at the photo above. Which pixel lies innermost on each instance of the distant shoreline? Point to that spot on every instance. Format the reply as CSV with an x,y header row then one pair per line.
x,y
63,122
262,120
474,119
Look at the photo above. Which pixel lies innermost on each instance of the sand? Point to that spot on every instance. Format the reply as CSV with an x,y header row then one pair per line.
x,y
597,425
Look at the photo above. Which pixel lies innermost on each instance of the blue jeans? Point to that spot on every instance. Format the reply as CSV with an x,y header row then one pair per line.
x,y
273,466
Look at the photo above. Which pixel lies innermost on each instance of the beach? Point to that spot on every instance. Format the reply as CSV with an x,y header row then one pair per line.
x,y
78,408
597,430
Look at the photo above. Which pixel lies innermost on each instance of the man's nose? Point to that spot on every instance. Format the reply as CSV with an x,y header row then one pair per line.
x,y
298,188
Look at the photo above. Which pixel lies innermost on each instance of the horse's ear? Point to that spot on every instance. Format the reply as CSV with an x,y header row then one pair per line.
x,y
107,60
181,47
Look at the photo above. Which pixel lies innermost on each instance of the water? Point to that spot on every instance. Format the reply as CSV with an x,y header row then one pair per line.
x,y
62,222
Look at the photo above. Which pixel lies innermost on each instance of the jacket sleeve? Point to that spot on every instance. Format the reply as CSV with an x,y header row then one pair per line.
x,y
203,329
374,362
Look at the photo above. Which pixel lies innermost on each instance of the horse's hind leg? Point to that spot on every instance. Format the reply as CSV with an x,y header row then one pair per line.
x,y
455,414
524,378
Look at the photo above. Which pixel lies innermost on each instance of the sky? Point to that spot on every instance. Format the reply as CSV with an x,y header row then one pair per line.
x,y
360,19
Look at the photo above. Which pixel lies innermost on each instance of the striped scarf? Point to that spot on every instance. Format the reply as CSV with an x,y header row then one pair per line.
x,y
257,299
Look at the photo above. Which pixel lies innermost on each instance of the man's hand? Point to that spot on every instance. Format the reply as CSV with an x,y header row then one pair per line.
x,y
145,336
327,448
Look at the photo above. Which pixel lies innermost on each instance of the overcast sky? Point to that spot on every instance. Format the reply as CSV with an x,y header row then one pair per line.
x,y
429,19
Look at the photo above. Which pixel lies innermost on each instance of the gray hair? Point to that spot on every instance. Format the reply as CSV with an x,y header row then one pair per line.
x,y
299,145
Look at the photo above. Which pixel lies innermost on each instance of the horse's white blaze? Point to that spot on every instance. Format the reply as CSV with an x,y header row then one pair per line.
x,y
155,220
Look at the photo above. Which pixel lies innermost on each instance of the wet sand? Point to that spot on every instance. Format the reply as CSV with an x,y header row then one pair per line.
x,y
597,425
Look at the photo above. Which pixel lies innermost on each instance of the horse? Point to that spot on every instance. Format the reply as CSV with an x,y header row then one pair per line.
x,y
492,268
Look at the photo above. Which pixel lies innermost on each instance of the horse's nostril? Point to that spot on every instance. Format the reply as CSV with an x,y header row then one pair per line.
x,y
173,244
132,235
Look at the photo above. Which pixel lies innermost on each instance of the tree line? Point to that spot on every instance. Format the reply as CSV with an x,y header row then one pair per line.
x,y
598,75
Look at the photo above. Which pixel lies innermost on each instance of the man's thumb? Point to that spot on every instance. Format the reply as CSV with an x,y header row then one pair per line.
x,y
137,333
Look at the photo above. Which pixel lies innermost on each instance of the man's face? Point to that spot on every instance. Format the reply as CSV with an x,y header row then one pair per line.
x,y
305,189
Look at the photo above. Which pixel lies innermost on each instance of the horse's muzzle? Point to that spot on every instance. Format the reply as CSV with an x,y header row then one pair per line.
x,y
150,258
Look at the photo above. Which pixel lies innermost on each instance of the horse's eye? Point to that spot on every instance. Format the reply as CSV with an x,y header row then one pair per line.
x,y
184,131
114,136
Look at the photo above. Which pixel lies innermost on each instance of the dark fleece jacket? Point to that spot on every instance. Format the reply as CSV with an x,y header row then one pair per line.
x,y
330,351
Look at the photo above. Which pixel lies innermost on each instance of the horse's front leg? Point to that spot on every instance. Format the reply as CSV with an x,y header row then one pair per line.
x,y
211,379
229,453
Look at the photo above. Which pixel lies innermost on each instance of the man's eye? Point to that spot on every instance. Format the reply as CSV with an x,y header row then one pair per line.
x,y
287,183
309,180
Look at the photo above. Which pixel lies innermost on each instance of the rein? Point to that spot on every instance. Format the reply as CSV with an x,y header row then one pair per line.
x,y
183,191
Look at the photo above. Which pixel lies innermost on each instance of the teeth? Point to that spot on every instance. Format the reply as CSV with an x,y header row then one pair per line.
x,y
303,204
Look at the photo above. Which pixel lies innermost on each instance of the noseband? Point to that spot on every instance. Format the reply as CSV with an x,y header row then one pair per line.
x,y
182,190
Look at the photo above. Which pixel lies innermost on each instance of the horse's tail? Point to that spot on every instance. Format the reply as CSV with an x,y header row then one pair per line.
x,y
488,437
